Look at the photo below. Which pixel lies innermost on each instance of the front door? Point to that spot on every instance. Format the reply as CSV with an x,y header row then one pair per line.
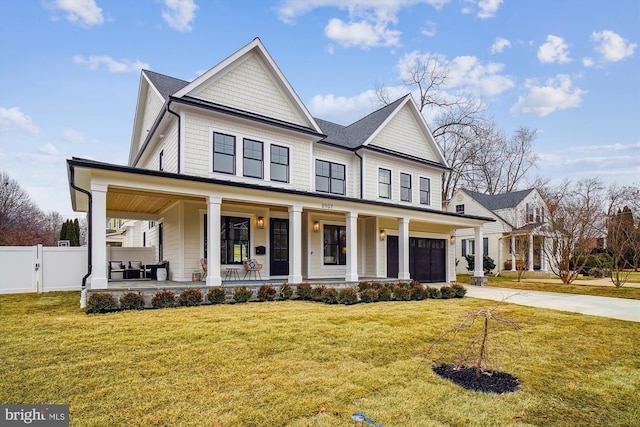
x,y
392,257
279,247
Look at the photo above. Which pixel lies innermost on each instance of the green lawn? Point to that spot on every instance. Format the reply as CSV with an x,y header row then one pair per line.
x,y
309,364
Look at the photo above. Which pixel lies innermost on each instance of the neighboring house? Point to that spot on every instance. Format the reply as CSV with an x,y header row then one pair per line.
x,y
232,166
518,215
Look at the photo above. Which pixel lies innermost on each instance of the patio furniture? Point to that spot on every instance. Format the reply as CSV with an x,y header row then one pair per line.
x,y
135,270
232,273
203,263
151,270
116,270
252,267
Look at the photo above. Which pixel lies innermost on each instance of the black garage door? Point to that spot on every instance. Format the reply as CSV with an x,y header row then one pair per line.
x,y
427,259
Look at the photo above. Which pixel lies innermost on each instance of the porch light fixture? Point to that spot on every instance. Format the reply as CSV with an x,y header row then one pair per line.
x,y
383,234
260,222
316,226
452,239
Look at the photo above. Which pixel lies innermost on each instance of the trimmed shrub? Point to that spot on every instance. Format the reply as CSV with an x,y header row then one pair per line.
x,y
459,290
401,293
191,297
364,285
286,291
242,294
434,293
596,272
329,295
447,292
132,301
418,292
100,302
369,295
316,292
216,295
384,293
303,291
163,299
348,296
267,293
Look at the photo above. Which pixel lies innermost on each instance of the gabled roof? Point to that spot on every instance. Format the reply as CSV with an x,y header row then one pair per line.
x,y
499,201
165,85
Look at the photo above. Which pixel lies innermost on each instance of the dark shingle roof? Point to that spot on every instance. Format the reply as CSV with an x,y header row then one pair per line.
x,y
166,85
499,201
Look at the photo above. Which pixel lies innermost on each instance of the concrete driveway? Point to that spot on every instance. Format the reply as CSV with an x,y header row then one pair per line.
x,y
615,308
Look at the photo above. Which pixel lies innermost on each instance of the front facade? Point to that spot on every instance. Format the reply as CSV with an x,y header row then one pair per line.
x,y
232,166
515,240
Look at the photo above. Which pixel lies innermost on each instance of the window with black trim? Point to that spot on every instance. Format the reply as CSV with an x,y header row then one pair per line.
x,y
224,153
460,209
335,245
252,158
384,183
234,239
330,177
405,187
279,163
425,191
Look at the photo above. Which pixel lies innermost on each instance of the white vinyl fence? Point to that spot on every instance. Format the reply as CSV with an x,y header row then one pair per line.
x,y
41,269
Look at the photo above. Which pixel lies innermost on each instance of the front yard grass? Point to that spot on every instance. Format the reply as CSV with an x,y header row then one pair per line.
x,y
299,363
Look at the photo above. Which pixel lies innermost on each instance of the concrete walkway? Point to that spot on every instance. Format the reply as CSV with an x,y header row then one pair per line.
x,y
615,308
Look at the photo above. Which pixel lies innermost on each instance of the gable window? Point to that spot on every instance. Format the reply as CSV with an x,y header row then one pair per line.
x,y
335,246
224,153
425,191
279,163
161,161
234,239
330,177
529,213
405,187
384,183
460,209
252,166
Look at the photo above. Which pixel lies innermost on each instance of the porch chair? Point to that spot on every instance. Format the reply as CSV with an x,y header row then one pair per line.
x,y
203,263
116,267
251,266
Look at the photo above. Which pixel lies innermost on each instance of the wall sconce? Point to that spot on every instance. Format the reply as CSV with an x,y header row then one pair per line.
x,y
383,234
260,222
452,239
316,226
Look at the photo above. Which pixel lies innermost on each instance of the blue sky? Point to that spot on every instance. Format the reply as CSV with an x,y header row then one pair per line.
x,y
70,69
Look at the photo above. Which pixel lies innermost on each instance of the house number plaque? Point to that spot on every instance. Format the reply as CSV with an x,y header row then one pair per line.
x,y
327,206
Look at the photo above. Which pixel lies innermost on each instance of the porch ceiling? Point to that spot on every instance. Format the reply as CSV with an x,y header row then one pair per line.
x,y
121,200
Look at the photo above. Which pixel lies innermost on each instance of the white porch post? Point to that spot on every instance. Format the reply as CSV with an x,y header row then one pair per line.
x,y
403,249
513,253
352,246
452,258
98,236
530,252
213,241
478,268
295,244
543,256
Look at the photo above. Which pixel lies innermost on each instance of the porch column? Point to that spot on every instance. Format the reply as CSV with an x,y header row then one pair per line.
x,y
478,268
213,241
98,236
451,258
543,256
513,253
403,249
295,245
530,252
352,246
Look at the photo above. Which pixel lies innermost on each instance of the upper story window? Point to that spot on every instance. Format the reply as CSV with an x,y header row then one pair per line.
x,y
425,191
279,163
405,187
224,153
252,165
460,209
330,177
384,183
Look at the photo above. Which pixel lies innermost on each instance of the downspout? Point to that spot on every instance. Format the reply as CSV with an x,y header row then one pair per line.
x,y
178,116
83,292
361,173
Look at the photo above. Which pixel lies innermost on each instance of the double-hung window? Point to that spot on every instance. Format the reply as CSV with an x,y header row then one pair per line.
x,y
384,183
460,209
279,163
330,177
405,187
252,165
335,249
234,239
224,153
425,191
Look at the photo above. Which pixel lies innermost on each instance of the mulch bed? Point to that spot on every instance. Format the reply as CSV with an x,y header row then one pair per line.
x,y
487,382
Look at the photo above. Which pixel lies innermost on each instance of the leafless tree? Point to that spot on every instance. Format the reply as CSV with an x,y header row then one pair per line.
x,y
623,235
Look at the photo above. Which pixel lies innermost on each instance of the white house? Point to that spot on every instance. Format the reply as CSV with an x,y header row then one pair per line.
x,y
232,165
519,217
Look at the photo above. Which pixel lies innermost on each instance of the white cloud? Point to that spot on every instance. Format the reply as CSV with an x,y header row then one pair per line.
x,y
429,29
48,149
83,12
361,34
499,45
554,50
588,62
73,136
607,147
114,66
555,94
488,8
179,14
611,46
342,109
14,119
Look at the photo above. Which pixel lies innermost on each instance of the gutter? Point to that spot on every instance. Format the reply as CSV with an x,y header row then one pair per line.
x,y
361,173
179,130
72,182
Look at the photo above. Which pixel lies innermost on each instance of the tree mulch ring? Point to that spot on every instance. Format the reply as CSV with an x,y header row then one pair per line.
x,y
488,381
